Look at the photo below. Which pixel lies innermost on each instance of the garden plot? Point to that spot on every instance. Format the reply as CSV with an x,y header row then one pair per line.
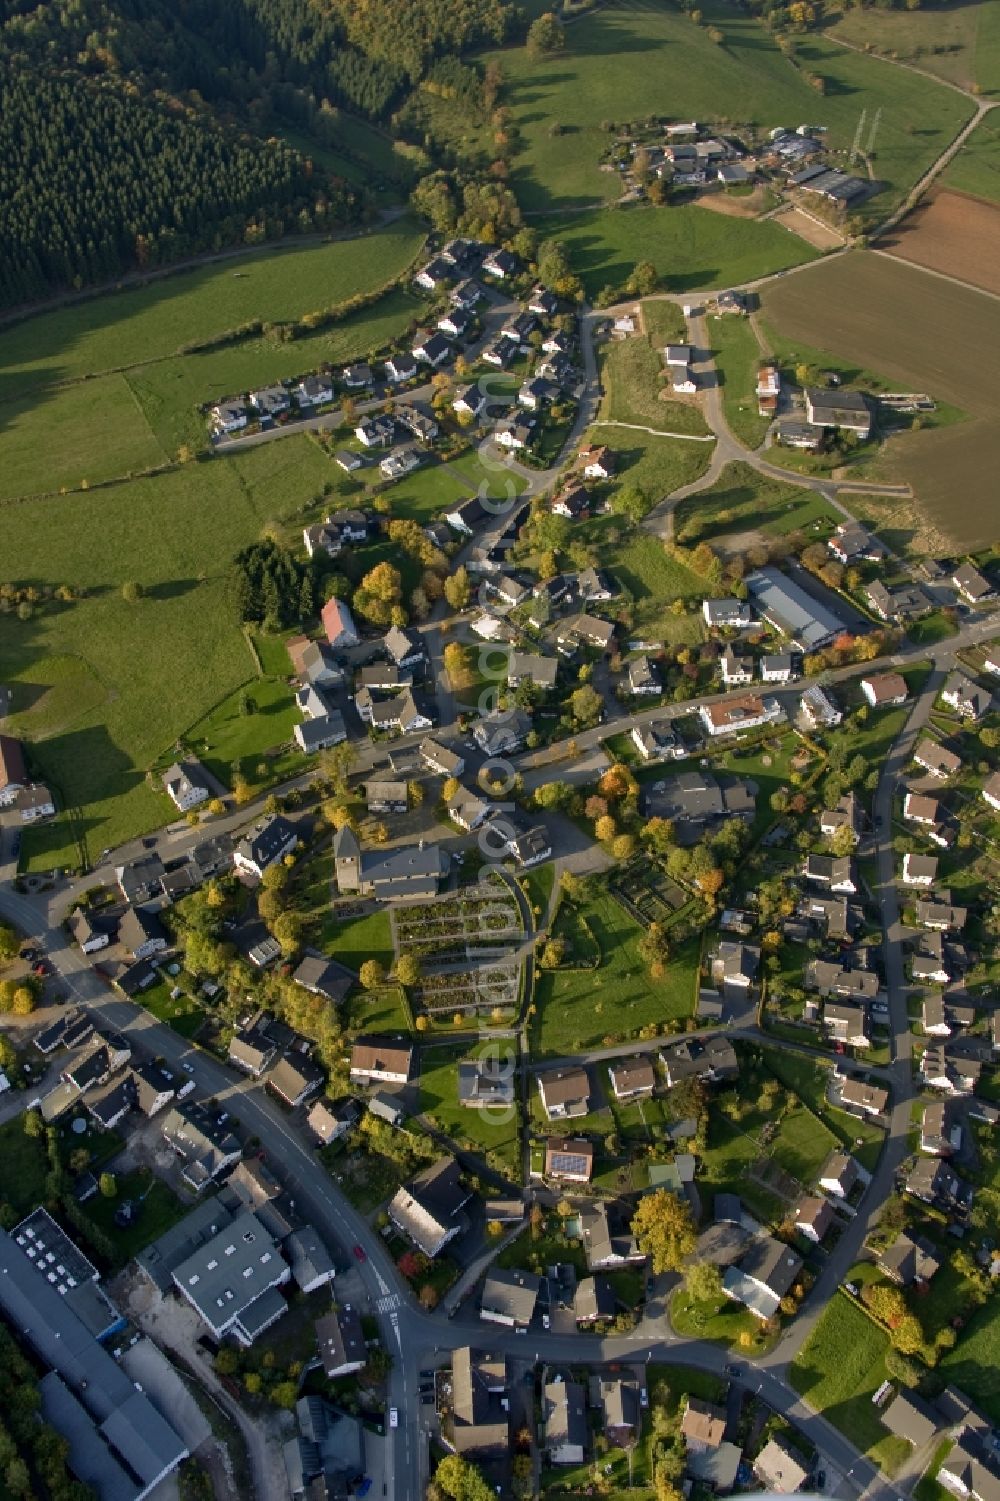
x,y
647,894
468,946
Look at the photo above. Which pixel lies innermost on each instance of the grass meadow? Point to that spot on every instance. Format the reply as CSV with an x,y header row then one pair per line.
x,y
634,375
577,1008
960,44
737,360
634,59
104,689
744,500
838,1369
139,324
976,168
690,247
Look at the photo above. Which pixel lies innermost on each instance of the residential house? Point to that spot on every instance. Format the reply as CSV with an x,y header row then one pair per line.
x,y
830,978
229,416
456,323
87,933
727,614
568,1159
467,515
434,275
386,797
153,1088
564,1092
746,713
937,913
919,870
852,543
564,1422
469,401
186,785
768,386
846,815
909,1260
813,1217
921,809
313,735
848,411
431,348
295,1078
938,1136
734,965
708,1058
468,809
884,690
329,1123
632,1078
587,630
428,1210
620,1406
655,742
835,872
937,759
340,629
865,1099
502,733
535,394
324,977
400,368
974,588
607,1238
932,1180
839,1174
777,667
480,1409
571,503
780,1468
819,709
441,758
514,433
594,586
500,264
990,791
341,1339
763,1277
703,1425
597,462
205,1148
594,1301
314,391
970,1469
380,1060
966,697
736,671
509,1297
268,842
141,933
270,402
484,1083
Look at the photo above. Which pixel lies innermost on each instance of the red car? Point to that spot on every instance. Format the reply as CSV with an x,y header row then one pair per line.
x,y
41,968
359,1252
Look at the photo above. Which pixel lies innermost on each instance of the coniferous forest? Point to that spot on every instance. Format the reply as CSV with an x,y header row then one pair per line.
x,y
139,132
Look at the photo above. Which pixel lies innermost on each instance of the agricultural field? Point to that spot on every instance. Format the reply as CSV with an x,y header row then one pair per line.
x,y
861,306
578,1008
635,381
689,246
133,327
954,234
103,689
643,60
960,44
838,1368
744,502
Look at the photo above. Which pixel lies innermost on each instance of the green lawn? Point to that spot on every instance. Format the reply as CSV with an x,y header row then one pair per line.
x,y
975,169
974,1364
656,466
66,436
743,500
25,1166
140,324
106,688
724,1321
184,1014
655,580
492,1133
159,1209
538,887
690,247
634,376
436,487
169,392
578,1008
737,359
838,1368
633,60
958,43
809,1080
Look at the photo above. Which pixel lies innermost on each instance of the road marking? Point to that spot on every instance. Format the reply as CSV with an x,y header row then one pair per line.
x,y
383,1286
385,1305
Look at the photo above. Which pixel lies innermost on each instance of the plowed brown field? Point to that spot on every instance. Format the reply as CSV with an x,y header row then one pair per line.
x,y
952,233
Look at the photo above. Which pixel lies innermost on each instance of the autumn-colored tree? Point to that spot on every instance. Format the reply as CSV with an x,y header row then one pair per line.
x,y
623,847
458,589
605,828
372,974
664,1229
408,969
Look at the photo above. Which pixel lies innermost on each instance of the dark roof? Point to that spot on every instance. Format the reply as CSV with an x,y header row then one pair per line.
x,y
324,976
